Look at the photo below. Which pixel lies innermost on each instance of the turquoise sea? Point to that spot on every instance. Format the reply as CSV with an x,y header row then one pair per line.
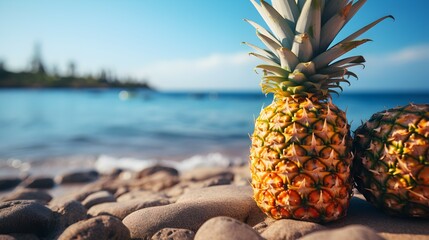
x,y
45,124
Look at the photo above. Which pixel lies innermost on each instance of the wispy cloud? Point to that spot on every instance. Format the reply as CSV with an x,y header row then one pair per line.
x,y
234,71
402,56
401,70
216,71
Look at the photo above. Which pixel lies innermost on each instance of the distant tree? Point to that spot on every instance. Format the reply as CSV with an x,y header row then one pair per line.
x,y
37,65
72,69
55,71
89,76
103,76
2,66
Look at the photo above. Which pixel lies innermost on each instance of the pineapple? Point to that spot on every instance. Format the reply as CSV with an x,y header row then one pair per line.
x,y
392,160
300,157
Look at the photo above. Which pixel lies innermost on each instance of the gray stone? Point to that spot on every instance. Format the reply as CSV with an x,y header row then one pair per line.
x,y
155,182
353,232
289,229
97,198
174,234
84,193
218,180
113,173
141,194
101,227
9,182
226,228
191,211
28,194
157,168
77,177
67,214
39,182
25,217
121,190
260,227
78,194
124,208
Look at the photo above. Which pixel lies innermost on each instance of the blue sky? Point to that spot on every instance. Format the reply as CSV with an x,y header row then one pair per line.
x,y
196,45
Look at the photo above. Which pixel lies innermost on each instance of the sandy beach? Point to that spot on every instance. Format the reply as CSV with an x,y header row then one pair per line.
x,y
161,202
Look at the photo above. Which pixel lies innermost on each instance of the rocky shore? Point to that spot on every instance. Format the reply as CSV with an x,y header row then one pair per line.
x,y
159,202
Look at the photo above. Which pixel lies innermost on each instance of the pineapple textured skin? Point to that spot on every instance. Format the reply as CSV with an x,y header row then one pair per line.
x,y
391,166
300,157
300,160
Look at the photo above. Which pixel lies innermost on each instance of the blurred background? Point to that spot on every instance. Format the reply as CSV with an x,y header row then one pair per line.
x,y
169,80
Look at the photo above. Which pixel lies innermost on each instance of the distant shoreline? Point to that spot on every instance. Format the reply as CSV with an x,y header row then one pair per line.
x,y
76,88
42,80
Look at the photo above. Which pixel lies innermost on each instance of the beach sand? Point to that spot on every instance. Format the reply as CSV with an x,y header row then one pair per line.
x,y
161,202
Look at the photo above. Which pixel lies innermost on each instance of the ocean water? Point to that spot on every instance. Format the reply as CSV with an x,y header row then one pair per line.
x,y
43,124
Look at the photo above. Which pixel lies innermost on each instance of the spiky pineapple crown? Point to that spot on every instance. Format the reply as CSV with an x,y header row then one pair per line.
x,y
300,61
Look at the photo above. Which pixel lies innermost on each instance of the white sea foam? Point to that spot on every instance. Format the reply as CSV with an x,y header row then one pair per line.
x,y
106,163
209,160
